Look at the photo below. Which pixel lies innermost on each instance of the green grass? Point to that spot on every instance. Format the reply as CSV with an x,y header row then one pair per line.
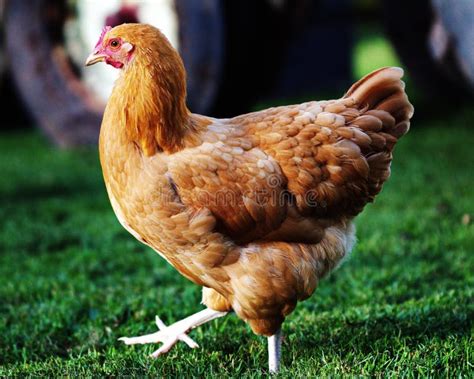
x,y
373,52
73,281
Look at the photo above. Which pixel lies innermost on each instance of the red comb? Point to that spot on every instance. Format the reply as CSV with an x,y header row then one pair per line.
x,y
105,30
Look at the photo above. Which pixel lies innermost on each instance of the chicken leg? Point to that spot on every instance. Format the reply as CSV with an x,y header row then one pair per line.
x,y
274,352
170,335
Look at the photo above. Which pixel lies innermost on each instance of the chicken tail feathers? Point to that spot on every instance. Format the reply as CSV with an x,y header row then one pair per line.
x,y
384,116
382,94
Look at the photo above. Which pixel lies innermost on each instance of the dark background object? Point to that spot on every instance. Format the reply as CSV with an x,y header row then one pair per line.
x,y
239,54
319,54
456,21
2,39
427,47
202,48
279,52
236,55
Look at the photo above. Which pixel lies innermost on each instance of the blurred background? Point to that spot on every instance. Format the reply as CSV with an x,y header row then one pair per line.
x,y
72,281
238,55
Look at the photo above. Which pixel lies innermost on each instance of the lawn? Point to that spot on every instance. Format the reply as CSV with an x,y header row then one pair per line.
x,y
73,280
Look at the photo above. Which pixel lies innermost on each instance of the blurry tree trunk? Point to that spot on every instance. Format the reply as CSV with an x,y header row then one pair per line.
x,y
44,75
50,84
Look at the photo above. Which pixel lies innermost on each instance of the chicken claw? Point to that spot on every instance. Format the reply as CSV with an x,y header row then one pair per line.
x,y
170,335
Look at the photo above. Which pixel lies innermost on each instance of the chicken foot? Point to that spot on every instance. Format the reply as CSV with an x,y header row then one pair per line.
x,y
170,335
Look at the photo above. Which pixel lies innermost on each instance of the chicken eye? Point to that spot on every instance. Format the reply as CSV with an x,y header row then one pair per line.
x,y
114,43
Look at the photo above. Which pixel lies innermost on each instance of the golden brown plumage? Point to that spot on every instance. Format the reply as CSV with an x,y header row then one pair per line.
x,y
256,208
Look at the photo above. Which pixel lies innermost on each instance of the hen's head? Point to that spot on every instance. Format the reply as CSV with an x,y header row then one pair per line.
x,y
120,46
154,69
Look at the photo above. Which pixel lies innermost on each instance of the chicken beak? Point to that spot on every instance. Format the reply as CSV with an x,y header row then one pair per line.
x,y
95,58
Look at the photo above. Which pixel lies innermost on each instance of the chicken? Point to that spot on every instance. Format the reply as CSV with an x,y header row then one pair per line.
x,y
256,209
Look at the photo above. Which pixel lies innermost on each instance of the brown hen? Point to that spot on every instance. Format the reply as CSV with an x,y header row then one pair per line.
x,y
256,209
